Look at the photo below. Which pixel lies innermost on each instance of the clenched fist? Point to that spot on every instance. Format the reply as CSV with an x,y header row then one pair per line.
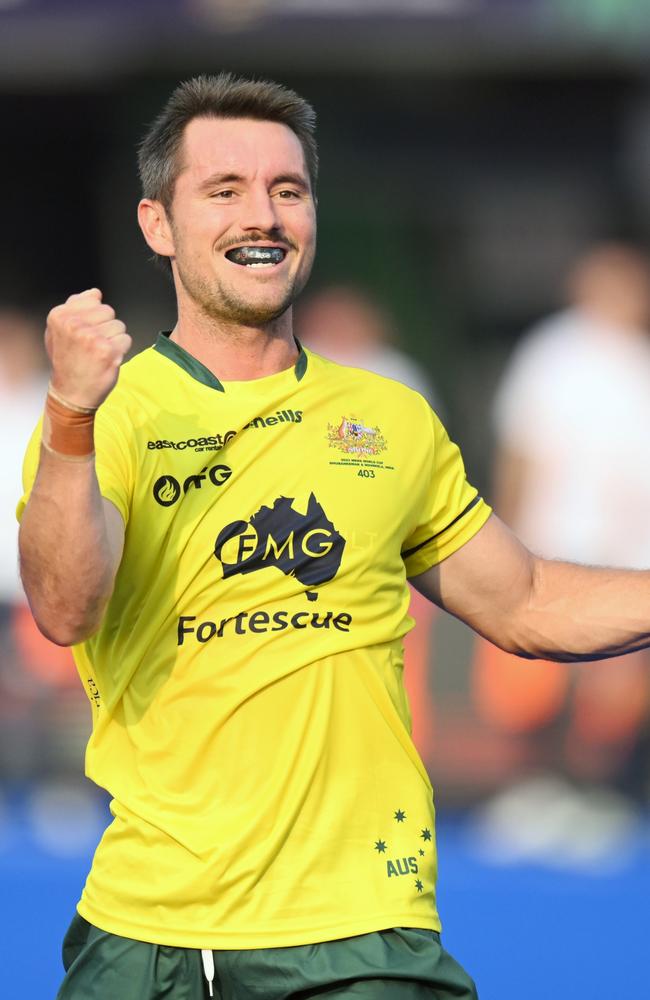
x,y
86,345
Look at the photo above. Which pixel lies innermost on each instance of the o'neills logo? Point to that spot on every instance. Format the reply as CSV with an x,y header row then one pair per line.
x,y
279,417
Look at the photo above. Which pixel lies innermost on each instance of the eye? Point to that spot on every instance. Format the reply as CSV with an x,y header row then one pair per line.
x,y
286,194
226,195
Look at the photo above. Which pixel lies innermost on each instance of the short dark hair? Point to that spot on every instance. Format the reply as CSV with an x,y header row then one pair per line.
x,y
222,96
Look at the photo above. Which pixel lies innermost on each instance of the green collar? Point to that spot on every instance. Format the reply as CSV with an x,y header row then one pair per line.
x,y
198,371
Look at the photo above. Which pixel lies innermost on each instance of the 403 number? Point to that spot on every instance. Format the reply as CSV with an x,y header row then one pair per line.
x,y
366,473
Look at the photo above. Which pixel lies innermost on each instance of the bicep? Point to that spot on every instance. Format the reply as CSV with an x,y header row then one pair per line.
x,y
487,583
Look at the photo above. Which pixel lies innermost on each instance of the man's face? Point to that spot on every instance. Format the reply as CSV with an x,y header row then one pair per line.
x,y
242,184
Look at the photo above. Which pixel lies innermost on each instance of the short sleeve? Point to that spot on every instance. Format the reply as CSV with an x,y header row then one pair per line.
x,y
452,512
113,462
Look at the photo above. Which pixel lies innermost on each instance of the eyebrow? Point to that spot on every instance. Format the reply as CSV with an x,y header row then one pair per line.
x,y
296,179
231,178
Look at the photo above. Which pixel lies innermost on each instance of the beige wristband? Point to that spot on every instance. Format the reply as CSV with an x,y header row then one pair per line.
x,y
68,429
51,391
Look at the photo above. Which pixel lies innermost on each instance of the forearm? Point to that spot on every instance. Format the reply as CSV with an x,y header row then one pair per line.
x,y
70,538
583,613
65,551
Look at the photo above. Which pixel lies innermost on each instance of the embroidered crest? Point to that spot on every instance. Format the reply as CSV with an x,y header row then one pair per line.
x,y
353,437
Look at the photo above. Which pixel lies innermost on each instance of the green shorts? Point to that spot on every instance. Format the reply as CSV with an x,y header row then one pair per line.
x,y
398,964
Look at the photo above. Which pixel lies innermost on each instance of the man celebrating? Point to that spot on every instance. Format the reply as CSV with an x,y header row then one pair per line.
x,y
224,535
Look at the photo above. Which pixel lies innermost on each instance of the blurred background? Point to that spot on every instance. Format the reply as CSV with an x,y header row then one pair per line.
x,y
484,237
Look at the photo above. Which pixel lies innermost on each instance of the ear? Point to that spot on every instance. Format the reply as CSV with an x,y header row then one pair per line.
x,y
155,227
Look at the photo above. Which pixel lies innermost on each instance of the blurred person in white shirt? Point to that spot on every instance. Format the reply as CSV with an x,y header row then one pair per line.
x,y
572,418
572,421
23,381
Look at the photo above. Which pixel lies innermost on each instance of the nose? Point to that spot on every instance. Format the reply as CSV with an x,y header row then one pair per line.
x,y
259,211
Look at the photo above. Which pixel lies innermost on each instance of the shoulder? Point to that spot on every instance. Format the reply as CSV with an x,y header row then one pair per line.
x,y
389,391
143,379
140,367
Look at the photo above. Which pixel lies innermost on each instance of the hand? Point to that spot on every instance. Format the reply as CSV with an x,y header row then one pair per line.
x,y
86,345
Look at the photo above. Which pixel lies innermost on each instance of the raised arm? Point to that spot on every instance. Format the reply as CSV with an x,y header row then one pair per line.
x,y
71,538
537,608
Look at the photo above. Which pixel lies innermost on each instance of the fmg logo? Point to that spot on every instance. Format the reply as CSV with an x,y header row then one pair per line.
x,y
306,546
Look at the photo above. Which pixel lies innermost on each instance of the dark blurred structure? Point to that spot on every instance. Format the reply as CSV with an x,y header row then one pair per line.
x,y
470,148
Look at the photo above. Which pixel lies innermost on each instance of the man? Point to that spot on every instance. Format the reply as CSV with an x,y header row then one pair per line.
x,y
225,534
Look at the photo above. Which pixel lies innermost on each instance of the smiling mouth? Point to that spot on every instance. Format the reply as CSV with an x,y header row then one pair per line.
x,y
250,256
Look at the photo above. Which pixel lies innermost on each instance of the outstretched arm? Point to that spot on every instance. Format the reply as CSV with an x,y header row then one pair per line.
x,y
538,608
71,538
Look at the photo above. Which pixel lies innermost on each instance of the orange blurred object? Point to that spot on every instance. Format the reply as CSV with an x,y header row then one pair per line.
x,y
417,671
49,663
514,694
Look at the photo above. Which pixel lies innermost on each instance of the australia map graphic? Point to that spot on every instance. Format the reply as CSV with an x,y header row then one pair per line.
x,y
306,546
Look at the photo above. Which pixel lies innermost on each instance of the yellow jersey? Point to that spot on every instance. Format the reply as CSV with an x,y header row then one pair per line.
x,y
249,717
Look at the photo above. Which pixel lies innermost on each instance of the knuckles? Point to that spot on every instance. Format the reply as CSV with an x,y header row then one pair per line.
x,y
62,321
83,335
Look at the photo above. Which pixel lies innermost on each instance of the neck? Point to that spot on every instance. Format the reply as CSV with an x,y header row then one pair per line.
x,y
233,352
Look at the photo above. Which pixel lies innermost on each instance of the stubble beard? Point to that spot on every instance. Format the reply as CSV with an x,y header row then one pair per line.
x,y
224,304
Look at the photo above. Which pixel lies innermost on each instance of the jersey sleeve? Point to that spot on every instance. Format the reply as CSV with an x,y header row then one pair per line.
x,y
113,461
452,512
